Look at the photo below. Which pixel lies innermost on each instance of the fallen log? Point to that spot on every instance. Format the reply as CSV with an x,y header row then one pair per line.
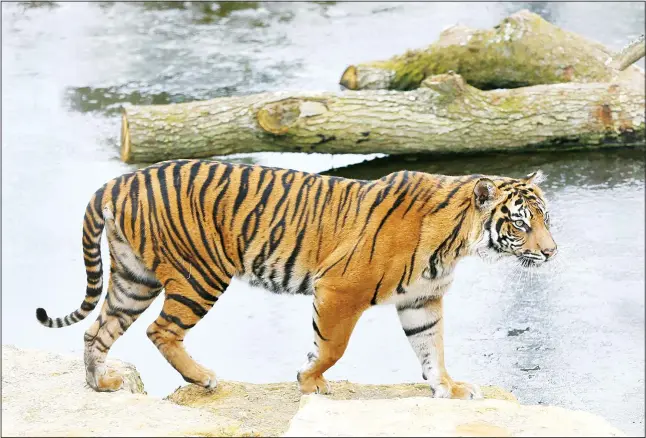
x,y
523,50
444,115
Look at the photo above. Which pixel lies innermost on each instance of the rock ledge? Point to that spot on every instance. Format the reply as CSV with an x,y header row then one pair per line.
x,y
44,394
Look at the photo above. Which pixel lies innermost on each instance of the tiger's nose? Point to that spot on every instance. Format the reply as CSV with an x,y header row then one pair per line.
x,y
549,252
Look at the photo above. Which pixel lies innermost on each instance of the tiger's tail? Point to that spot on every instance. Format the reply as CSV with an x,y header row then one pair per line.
x,y
93,223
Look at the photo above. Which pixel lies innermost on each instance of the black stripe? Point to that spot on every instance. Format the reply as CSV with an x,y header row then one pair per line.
x,y
115,192
216,223
404,180
418,303
122,324
412,262
373,301
134,204
214,253
411,204
305,185
87,221
175,320
499,223
291,261
87,237
286,180
505,184
85,306
163,188
199,289
436,257
252,221
98,200
92,263
121,214
322,273
305,287
94,276
102,343
93,252
242,189
92,291
316,329
396,204
127,274
417,330
444,203
197,309
90,214
400,287
124,290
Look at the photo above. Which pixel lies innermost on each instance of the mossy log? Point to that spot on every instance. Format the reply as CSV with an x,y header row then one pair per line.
x,y
522,50
444,115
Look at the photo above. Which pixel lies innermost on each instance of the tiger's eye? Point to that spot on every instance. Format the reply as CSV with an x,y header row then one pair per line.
x,y
519,223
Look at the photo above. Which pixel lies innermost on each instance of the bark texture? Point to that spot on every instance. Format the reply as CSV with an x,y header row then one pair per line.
x,y
523,50
444,115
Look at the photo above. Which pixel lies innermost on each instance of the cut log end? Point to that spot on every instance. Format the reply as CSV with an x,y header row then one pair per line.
x,y
349,78
125,137
271,122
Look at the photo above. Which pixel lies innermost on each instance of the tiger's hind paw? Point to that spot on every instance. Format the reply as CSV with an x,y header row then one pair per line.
x,y
204,378
109,382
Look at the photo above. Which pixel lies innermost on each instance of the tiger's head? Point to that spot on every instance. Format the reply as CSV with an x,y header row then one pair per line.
x,y
514,220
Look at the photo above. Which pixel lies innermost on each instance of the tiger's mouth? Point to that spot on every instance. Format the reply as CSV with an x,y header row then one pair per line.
x,y
494,252
530,261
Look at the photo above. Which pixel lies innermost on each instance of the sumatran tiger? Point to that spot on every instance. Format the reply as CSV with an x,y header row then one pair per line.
x,y
189,226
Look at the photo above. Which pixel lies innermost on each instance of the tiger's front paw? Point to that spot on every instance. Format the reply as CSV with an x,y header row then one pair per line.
x,y
311,384
458,390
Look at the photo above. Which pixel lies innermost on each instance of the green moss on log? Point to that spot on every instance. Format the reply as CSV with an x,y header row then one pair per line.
x,y
522,50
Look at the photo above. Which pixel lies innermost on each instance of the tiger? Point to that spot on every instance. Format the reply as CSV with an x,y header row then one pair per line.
x,y
188,227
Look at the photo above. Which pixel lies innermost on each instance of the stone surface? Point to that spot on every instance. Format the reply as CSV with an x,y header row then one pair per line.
x,y
45,394
268,408
423,416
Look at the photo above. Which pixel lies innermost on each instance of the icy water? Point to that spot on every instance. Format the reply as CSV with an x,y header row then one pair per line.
x,y
571,334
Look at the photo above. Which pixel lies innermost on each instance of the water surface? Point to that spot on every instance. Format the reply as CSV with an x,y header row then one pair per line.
x,y
570,335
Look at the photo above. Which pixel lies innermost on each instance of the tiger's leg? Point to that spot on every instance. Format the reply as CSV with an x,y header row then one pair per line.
x,y
333,320
131,289
423,325
183,308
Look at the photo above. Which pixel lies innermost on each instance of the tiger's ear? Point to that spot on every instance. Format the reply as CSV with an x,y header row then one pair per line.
x,y
535,178
485,193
